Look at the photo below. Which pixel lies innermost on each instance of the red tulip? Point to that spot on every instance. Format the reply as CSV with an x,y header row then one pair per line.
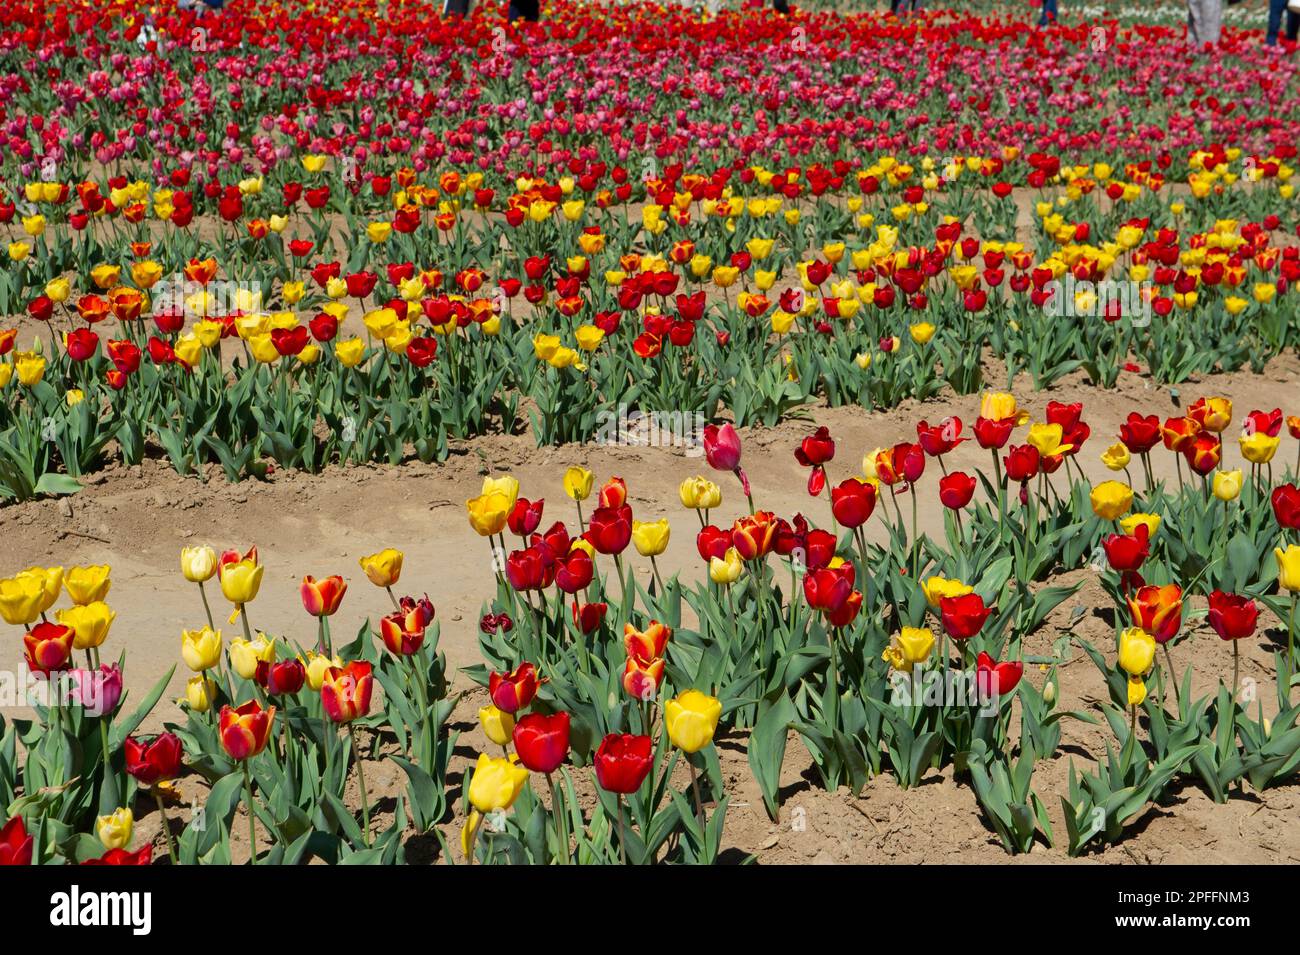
x,y
712,542
155,761
513,691
574,572
827,588
939,439
530,569
1286,506
541,741
525,516
722,447
1140,434
623,762
245,731
852,502
321,598
1022,462
1158,611
15,844
613,493
610,529
403,631
956,490
1125,552
142,856
963,616
1232,616
754,536
993,679
1203,453
589,617
345,692
993,433
847,612
48,647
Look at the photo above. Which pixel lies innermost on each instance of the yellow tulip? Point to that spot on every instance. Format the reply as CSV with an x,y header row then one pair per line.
x,y
383,568
20,600
51,580
1288,567
691,719
589,337
488,513
1137,650
58,290
1258,447
727,569
936,588
921,332
1227,484
496,783
240,581
1151,521
245,655
998,406
497,725
90,623
263,349
1116,457
350,352
30,368
914,646
199,693
87,584
699,493
114,830
506,485
201,649
1048,439
469,832
650,537
1137,691
318,666
578,482
1111,500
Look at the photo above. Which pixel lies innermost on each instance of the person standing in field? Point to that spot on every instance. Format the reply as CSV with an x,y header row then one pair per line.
x,y
1204,21
1276,9
1049,13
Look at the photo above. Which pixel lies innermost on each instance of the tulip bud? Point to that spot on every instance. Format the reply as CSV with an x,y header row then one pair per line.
x,y
199,693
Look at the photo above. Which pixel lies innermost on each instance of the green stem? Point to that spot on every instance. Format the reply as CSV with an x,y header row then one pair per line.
x,y
361,781
561,825
167,830
252,822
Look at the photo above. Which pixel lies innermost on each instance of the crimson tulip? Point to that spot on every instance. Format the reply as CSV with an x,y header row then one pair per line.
x,y
542,741
155,761
622,762
963,616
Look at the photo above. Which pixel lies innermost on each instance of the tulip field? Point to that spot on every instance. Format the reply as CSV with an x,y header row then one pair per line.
x,y
657,434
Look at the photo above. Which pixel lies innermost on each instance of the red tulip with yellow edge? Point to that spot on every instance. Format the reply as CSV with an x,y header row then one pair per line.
x,y
245,730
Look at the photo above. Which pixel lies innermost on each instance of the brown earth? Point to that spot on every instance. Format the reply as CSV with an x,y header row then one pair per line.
x,y
138,518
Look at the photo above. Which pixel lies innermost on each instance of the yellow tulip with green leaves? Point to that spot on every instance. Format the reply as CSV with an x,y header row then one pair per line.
x,y
691,719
